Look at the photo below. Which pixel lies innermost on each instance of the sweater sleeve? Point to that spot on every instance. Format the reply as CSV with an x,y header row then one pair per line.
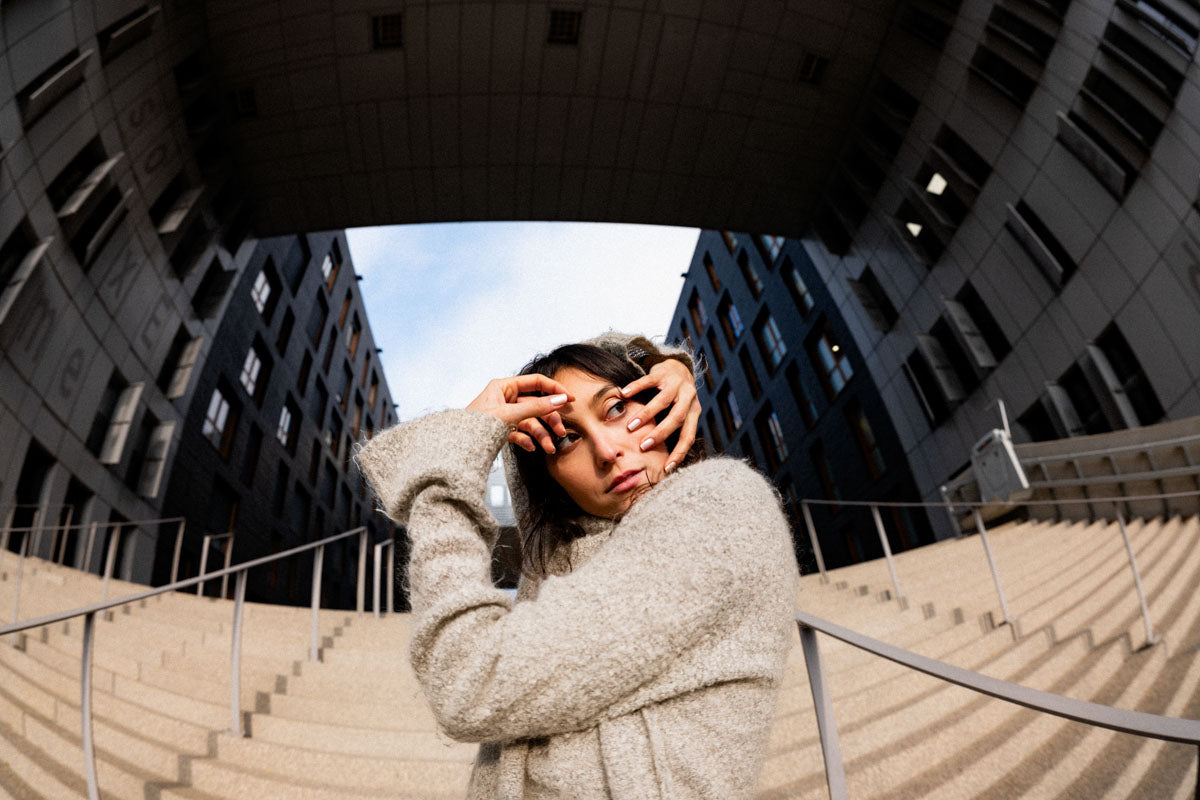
x,y
492,670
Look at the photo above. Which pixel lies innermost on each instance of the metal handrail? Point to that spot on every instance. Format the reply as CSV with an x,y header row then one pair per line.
x,y
239,571
1141,723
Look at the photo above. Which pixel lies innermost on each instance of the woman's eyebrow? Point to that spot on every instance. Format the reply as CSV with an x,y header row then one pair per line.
x,y
603,390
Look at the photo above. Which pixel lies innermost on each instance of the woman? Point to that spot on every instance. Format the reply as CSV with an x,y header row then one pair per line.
x,y
643,654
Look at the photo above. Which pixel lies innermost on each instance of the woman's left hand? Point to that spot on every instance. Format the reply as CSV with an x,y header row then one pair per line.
x,y
676,389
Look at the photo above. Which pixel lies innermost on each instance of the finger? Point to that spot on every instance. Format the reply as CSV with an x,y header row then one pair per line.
x,y
527,407
651,410
522,440
526,384
687,437
640,385
535,430
554,420
669,424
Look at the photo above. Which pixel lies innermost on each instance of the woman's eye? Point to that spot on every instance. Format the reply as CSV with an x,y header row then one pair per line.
x,y
616,409
561,442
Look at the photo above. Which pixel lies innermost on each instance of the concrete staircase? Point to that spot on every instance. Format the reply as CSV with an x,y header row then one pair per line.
x,y
354,725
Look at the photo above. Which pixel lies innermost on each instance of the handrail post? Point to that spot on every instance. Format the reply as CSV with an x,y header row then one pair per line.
x,y
954,527
987,548
228,560
391,577
114,541
65,531
91,546
812,538
203,563
17,583
1151,639
318,559
831,750
235,661
375,585
85,705
887,550
38,518
360,600
178,548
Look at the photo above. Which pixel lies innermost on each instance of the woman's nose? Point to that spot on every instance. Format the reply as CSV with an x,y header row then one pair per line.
x,y
608,448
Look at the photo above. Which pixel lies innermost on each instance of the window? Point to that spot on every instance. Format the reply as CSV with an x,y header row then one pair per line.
x,y
51,85
564,26
797,288
696,309
712,273
730,413
1040,243
250,369
289,425
345,310
1167,22
210,294
716,349
731,321
771,246
117,434
708,378
1002,75
387,31
347,381
1129,375
867,444
770,341
331,265
87,201
150,480
358,414
750,372
808,409
219,421
750,274
352,336
266,291
969,310
317,320
295,263
874,300
731,240
916,232
1085,401
330,343
318,402
825,473
687,335
830,361
713,434
961,364
253,450
770,433
930,395
302,378
19,256
285,332
181,360
373,391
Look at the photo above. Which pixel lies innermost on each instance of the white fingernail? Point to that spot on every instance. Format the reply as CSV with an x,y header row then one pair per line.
x,y
670,467
558,399
633,426
647,444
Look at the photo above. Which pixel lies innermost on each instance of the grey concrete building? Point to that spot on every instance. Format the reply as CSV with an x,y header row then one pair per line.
x,y
785,387
133,291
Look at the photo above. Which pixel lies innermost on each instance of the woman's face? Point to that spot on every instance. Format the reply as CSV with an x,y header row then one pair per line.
x,y
599,462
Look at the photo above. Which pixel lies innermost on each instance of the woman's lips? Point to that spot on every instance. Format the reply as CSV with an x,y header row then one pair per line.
x,y
626,481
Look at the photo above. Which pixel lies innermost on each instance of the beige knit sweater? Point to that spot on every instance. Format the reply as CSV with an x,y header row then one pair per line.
x,y
649,669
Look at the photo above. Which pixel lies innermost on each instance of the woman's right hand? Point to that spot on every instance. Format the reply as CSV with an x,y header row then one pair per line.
x,y
511,400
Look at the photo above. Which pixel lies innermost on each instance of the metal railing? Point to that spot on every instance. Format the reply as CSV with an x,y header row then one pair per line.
x,y
239,572
1140,723
1151,637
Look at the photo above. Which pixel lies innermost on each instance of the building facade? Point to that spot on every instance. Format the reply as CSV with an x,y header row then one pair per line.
x,y
156,359
1014,218
785,387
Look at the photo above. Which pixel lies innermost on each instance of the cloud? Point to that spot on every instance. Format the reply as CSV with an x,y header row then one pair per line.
x,y
456,305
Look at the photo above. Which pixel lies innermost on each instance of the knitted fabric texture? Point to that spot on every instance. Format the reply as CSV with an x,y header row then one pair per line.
x,y
650,670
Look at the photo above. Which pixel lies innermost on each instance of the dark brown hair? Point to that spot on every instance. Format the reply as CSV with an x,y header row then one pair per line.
x,y
550,517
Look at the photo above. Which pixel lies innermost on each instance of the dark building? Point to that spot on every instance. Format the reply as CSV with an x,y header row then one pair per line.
x,y
292,382
786,388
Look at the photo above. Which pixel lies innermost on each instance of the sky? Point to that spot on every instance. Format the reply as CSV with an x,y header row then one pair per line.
x,y
454,305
